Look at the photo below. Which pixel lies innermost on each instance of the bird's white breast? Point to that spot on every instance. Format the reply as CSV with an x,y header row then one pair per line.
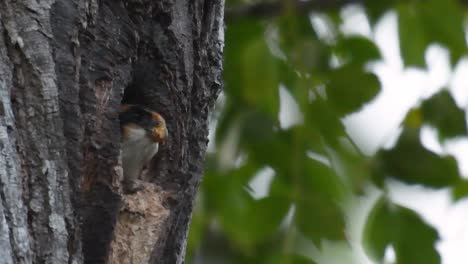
x,y
137,151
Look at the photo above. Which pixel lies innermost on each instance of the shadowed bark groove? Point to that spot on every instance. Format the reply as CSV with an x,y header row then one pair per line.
x,y
65,67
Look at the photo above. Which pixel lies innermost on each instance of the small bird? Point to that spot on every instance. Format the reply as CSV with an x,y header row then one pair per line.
x,y
142,131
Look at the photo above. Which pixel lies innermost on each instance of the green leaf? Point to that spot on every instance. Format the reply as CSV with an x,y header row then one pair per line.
x,y
197,226
262,142
260,78
246,221
320,218
403,229
317,192
357,50
290,258
413,40
460,190
349,88
410,162
318,214
226,189
421,23
444,24
442,112
322,119
322,180
264,217
230,117
251,71
239,35
411,231
414,119
355,167
297,39
378,230
375,9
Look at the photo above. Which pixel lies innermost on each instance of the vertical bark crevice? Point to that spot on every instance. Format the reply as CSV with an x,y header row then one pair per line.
x,y
105,70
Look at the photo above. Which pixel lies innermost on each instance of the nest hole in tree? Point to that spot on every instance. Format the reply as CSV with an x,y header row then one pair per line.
x,y
147,89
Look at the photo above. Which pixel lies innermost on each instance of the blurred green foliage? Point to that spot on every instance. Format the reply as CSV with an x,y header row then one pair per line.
x,y
412,239
316,167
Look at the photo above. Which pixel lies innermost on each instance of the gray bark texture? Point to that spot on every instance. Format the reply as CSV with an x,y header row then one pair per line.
x,y
65,67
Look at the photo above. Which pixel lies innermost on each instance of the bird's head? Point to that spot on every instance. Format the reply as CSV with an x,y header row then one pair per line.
x,y
138,117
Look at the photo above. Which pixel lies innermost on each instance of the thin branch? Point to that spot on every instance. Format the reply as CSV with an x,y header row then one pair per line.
x,y
272,9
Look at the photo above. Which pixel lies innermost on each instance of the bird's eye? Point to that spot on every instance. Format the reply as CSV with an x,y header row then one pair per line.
x,y
157,122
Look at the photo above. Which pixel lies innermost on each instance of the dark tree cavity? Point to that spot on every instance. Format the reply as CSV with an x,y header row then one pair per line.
x,y
65,67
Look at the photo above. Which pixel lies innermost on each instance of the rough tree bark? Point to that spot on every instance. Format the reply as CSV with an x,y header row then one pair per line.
x,y
65,67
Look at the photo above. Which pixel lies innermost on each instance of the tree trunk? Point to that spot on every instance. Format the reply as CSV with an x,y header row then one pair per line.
x,y
65,67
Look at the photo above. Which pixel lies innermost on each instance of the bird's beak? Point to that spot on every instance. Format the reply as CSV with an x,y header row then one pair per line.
x,y
160,133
